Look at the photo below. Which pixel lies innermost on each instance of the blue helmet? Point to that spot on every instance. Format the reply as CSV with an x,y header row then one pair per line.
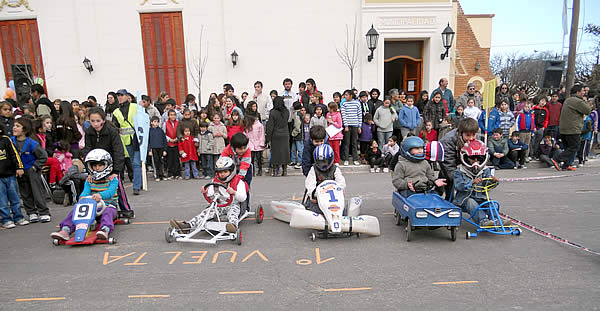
x,y
323,156
409,143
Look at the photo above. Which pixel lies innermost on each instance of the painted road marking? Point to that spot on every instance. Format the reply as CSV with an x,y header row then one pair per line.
x,y
41,299
455,282
388,213
351,289
148,296
242,292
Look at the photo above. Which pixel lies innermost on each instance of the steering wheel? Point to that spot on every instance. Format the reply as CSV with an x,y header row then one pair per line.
x,y
488,184
210,201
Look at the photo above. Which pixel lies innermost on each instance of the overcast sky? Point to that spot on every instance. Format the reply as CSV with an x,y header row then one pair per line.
x,y
528,25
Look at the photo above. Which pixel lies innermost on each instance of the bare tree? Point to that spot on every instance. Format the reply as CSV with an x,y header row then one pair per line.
x,y
517,70
349,53
197,65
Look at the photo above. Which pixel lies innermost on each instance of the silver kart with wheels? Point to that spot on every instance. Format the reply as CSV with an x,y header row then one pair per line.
x,y
215,227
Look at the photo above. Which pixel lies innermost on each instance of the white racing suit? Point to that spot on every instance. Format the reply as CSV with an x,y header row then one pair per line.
x,y
232,210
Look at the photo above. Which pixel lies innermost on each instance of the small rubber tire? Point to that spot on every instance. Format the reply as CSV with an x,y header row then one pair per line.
x,y
313,236
260,214
126,221
55,242
168,236
398,218
467,235
112,241
408,229
517,232
453,233
238,235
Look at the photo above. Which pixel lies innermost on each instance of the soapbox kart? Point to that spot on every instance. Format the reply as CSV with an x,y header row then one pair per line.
x,y
215,227
425,210
86,226
338,218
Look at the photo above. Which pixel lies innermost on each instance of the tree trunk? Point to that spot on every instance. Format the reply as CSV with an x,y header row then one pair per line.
x,y
572,48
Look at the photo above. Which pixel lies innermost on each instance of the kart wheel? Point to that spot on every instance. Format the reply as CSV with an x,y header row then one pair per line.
x,y
260,214
313,237
467,235
55,242
112,241
239,236
408,229
126,221
453,233
168,236
398,218
517,231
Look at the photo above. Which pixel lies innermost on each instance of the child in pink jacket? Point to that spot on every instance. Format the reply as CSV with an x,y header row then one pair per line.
x,y
334,117
254,130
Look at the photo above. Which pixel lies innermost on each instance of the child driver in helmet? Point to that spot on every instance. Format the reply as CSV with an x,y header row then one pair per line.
x,y
322,170
471,171
236,186
103,190
413,173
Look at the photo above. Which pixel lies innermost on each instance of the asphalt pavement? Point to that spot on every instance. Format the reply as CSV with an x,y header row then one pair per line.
x,y
278,267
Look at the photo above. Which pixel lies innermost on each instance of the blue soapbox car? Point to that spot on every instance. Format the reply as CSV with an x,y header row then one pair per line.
x,y
426,210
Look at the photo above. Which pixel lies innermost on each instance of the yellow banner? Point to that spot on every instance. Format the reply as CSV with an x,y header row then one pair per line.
x,y
489,94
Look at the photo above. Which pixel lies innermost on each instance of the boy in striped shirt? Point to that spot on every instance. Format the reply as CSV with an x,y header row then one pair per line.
x,y
352,120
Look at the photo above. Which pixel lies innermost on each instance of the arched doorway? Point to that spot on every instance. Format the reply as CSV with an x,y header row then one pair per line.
x,y
403,68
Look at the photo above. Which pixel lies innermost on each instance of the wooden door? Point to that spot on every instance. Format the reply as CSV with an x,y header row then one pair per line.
x,y
413,77
164,54
20,44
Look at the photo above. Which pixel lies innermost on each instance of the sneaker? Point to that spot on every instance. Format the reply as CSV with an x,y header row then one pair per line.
x,y
570,168
298,166
179,225
523,166
102,235
187,178
346,163
178,177
22,222
581,165
8,225
169,178
33,218
165,178
517,167
136,191
231,228
556,166
487,223
356,163
45,218
386,170
157,180
528,159
372,170
60,235
377,170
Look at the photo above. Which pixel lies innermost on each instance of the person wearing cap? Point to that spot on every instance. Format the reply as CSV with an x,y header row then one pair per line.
x,y
123,119
464,98
446,94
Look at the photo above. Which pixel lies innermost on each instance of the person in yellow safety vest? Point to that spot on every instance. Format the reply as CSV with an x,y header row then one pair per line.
x,y
123,119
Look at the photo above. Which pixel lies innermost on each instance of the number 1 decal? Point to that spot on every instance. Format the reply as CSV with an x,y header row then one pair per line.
x,y
331,196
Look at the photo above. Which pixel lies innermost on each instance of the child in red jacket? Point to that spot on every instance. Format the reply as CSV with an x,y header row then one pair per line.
x,y
187,151
174,170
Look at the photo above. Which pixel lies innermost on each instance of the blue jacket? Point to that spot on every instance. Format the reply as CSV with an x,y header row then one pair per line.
x,y
157,139
493,121
366,133
463,185
409,117
518,144
27,156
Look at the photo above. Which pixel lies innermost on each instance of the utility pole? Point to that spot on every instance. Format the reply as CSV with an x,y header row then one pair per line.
x,y
572,48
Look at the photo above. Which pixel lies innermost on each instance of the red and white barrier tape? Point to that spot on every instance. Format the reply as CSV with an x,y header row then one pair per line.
x,y
549,235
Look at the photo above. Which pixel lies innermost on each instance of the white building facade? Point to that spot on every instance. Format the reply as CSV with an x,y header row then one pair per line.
x,y
148,46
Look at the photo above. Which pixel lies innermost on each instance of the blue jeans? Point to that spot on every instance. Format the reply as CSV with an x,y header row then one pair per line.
x,y
469,206
9,194
207,164
136,162
187,165
382,138
297,149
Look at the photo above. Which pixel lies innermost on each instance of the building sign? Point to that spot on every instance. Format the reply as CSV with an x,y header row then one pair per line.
x,y
395,21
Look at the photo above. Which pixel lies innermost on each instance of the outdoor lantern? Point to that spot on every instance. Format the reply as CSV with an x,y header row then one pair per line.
x,y
372,37
88,65
447,38
234,58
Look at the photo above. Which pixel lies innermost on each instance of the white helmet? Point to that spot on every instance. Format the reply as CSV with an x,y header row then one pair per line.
x,y
225,164
95,156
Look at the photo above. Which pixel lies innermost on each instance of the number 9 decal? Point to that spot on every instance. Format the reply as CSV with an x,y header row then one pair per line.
x,y
82,211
